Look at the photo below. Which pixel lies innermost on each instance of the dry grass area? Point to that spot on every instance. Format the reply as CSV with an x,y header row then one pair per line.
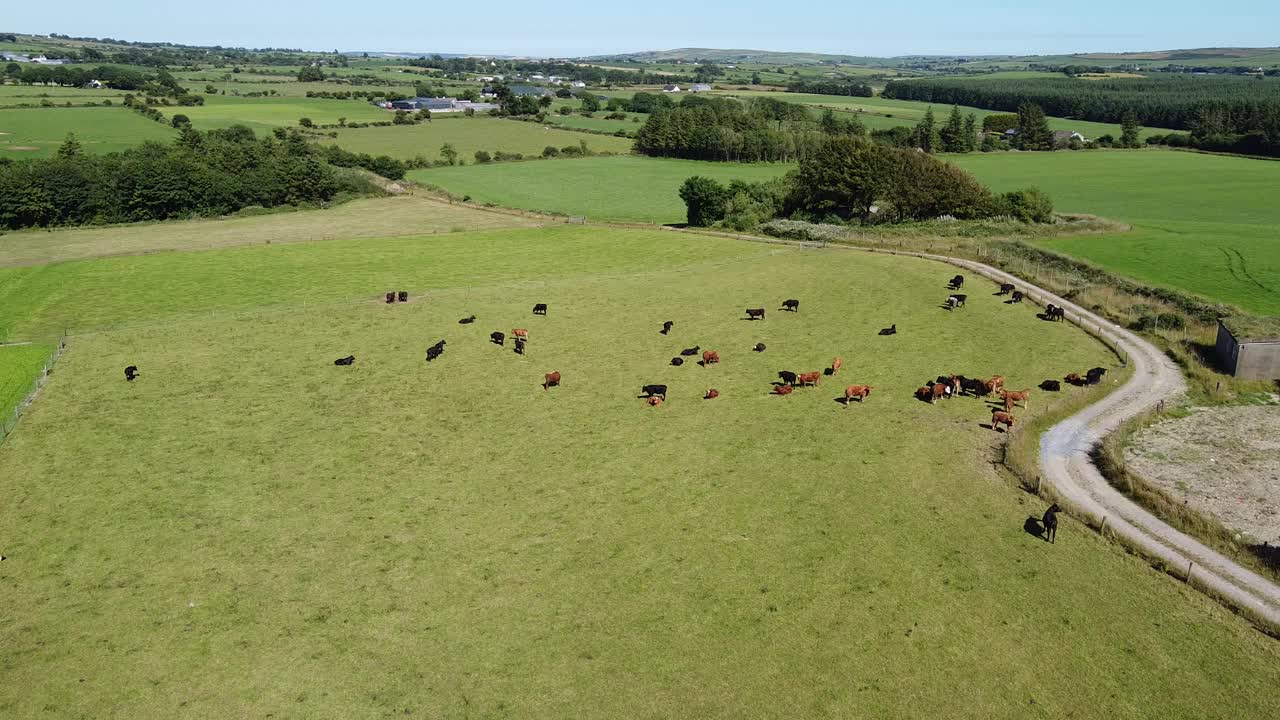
x,y
365,218
1224,462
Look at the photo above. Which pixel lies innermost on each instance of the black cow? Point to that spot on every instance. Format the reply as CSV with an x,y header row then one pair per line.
x,y
391,297
1050,522
955,301
1051,386
404,296
754,313
974,385
1053,312
1005,288
787,377
792,305
1017,296
891,330
340,361
652,390
666,327
467,320
691,351
759,347
435,351
497,338
677,361
540,309
957,282
1094,376
131,372
519,346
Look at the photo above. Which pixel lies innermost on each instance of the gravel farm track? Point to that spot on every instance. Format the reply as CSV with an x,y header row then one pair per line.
x,y
1075,481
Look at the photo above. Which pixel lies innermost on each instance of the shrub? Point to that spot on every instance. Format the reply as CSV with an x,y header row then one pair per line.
x,y
705,200
1030,205
550,152
483,157
306,122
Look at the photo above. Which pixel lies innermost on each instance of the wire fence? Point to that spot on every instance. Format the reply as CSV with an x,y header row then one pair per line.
x,y
11,423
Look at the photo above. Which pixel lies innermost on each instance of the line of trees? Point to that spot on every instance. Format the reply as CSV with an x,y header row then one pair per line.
x,y
758,130
198,174
854,180
830,87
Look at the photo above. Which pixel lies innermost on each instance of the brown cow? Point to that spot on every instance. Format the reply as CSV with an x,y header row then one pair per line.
x,y
998,417
520,333
939,390
835,365
783,389
1013,396
1074,379
712,394
995,383
812,378
925,393
709,357
856,391
653,401
551,379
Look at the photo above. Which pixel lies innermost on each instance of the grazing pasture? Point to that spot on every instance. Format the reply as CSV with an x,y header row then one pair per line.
x,y
37,132
265,114
1203,223
631,188
248,529
468,135
363,218
19,366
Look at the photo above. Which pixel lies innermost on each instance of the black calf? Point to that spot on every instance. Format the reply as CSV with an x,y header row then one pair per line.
x,y
467,320
677,361
540,309
759,347
1017,296
519,346
131,372
891,330
340,361
391,297
1094,376
651,390
691,351
1051,386
792,305
1050,522
957,282
497,338
753,313
1005,288
666,327
404,296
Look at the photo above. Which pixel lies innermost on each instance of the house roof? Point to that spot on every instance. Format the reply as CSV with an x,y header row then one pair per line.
x,y
1248,328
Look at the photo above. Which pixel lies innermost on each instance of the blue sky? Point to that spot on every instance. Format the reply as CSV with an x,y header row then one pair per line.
x,y
574,27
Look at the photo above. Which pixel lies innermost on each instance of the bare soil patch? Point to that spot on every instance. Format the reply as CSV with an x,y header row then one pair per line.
x,y
1224,462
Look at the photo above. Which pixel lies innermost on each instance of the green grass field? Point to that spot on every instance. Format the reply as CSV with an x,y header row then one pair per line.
x,y
37,132
264,114
19,366
1203,223
631,188
248,530
599,122
467,135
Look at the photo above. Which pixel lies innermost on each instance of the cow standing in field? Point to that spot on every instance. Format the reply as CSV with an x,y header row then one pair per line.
x,y
520,334
666,327
1094,376
711,394
836,364
710,357
654,391
131,372
792,305
998,417
995,384
1050,522
497,338
787,377
1013,396
1005,288
939,390
391,297
540,309
809,378
403,295
1017,297
435,351
1059,314
956,301
856,391
551,379
957,282
519,349
755,313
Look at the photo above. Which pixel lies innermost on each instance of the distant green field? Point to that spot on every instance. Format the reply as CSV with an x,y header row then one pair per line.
x,y
878,112
222,111
467,135
287,89
34,94
631,188
1203,223
98,129
19,364
599,122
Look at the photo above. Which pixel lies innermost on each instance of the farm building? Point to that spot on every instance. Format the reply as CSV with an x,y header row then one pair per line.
x,y
441,105
1249,348
577,84
671,89
700,87
1063,138
529,91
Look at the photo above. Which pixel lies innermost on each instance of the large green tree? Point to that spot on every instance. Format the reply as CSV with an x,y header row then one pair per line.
x,y
927,136
1033,129
1129,130
952,133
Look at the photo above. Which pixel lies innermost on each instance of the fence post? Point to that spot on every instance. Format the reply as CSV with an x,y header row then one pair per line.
x,y
1102,529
